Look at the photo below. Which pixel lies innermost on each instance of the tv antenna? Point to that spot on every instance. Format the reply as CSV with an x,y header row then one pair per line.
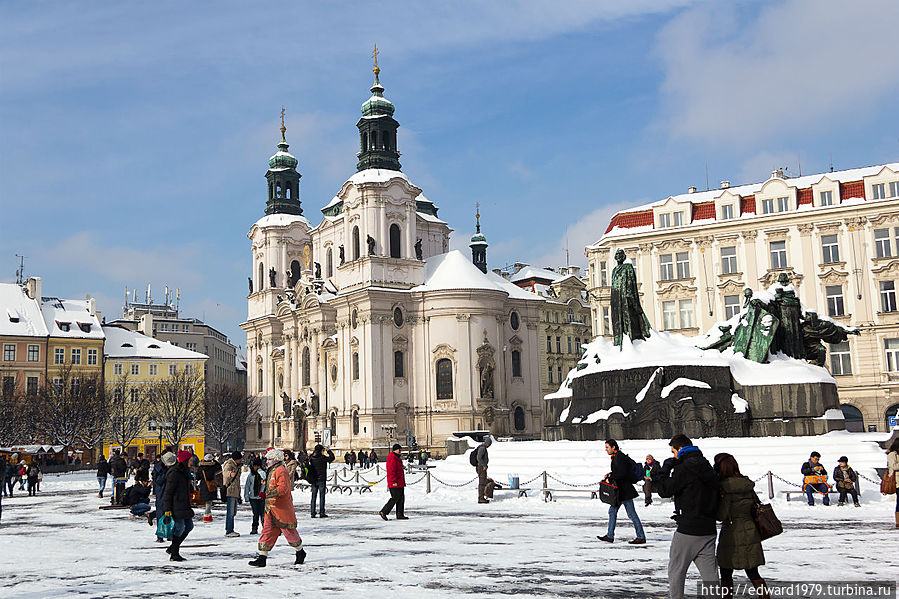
x,y
20,273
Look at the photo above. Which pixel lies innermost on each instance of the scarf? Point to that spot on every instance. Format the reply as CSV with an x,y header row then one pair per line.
x,y
685,450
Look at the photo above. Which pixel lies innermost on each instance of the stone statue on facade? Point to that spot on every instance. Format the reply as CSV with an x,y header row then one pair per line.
x,y
487,381
418,249
318,270
272,274
342,254
250,283
627,313
371,244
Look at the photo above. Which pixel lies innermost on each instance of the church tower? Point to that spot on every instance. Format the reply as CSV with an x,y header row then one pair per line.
x,y
377,129
283,180
478,244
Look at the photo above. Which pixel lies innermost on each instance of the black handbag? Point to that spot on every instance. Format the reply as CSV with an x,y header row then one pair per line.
x,y
766,520
608,492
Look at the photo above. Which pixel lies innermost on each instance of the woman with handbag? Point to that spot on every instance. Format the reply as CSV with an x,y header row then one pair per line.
x,y
209,472
739,543
893,471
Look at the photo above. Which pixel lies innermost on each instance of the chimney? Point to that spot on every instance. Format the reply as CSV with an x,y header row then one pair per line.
x,y
691,189
777,173
518,266
574,270
146,325
91,306
725,184
497,271
33,288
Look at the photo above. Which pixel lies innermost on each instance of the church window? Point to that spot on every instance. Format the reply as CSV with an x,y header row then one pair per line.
x,y
513,321
332,422
260,281
355,422
398,371
354,319
330,263
374,140
259,376
398,316
364,141
386,140
305,367
355,243
334,373
259,428
516,363
355,366
271,190
444,378
518,419
278,190
394,241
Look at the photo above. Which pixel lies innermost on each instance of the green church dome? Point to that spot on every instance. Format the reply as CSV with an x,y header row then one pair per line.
x,y
377,104
282,158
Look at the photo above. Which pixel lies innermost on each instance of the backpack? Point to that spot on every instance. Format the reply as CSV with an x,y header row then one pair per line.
x,y
473,456
634,470
307,472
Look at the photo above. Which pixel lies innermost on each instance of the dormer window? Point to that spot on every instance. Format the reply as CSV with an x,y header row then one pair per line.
x,y
127,345
153,346
64,326
85,327
13,315
894,189
783,204
727,212
826,198
879,191
678,219
773,205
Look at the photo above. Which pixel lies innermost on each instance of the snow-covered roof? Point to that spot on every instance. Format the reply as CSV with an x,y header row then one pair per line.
x,y
70,318
453,270
123,343
377,175
431,219
531,272
20,315
281,220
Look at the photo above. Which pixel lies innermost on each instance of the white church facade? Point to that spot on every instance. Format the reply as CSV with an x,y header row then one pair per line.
x,y
364,329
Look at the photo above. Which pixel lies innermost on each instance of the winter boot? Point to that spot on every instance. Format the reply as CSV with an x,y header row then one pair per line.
x,y
761,588
173,549
897,519
301,556
259,562
151,515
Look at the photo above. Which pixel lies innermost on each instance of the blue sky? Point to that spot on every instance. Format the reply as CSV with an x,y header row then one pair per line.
x,y
134,138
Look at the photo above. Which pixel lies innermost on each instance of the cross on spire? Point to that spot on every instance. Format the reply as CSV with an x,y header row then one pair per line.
x,y
376,70
283,128
477,216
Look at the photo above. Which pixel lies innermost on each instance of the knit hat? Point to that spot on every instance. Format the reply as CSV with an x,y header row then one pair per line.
x,y
169,459
843,459
236,455
274,455
184,456
396,446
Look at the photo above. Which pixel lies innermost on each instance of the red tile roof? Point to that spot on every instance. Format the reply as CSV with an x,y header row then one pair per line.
x,y
804,196
852,189
747,204
629,220
703,210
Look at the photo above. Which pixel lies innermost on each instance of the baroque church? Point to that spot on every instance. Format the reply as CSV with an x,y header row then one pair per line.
x,y
364,330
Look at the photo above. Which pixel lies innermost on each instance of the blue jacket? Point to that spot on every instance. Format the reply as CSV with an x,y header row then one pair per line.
x,y
249,490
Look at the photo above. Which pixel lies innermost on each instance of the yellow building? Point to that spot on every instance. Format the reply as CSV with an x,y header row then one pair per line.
x,y
75,344
132,364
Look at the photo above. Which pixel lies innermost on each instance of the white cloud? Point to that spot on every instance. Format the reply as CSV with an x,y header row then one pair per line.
x,y
795,66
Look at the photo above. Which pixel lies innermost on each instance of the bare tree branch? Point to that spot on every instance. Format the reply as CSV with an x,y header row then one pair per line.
x,y
176,405
228,410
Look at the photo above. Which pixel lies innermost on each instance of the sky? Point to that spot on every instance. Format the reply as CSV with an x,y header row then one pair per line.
x,y
134,138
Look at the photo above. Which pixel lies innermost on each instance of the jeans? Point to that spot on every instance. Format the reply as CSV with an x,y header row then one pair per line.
x,y
101,480
810,493
631,513
318,488
32,486
398,499
139,509
258,507
230,512
182,527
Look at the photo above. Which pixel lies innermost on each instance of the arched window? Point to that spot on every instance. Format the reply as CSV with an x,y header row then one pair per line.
x,y
355,422
394,241
278,189
398,371
892,412
518,419
305,367
259,379
330,263
271,190
260,281
374,140
287,187
332,423
854,419
355,243
444,379
259,428
355,366
570,314
364,141
294,273
516,363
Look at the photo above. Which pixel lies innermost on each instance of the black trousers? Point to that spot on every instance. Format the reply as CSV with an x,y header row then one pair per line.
x,y
398,499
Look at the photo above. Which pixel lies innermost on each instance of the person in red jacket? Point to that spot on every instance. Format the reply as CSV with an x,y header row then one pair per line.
x,y
396,483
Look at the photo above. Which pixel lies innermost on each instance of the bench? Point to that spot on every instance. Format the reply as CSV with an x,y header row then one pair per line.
x,y
522,492
349,488
548,493
816,493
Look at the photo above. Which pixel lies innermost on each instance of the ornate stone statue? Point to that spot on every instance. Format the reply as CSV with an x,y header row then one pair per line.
x,y
250,283
285,403
371,244
788,337
487,381
318,270
418,249
815,330
627,314
342,253
271,276
755,333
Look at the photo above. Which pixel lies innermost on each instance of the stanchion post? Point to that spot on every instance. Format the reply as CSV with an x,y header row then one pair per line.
x,y
545,486
428,481
770,485
357,476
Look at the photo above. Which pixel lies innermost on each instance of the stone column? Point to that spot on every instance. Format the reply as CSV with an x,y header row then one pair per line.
x,y
749,258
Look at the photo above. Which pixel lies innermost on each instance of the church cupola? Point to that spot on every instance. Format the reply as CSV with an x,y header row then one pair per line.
x,y
283,180
478,244
377,129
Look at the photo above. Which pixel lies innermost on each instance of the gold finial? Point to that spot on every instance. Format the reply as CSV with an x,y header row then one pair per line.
x,y
477,216
374,54
283,128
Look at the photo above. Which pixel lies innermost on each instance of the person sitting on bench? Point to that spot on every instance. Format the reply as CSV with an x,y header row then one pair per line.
x,y
846,481
815,480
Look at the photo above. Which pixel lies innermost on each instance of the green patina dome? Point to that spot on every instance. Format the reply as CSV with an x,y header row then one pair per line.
x,y
282,158
478,238
377,104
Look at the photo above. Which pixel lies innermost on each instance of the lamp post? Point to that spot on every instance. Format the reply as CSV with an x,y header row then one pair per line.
x,y
389,432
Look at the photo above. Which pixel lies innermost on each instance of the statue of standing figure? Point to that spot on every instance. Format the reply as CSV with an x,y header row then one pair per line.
x,y
627,313
371,244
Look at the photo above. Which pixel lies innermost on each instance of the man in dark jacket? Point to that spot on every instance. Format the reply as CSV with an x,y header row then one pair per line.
x,y
119,471
690,479
176,503
815,479
483,459
142,468
621,475
137,496
650,467
318,476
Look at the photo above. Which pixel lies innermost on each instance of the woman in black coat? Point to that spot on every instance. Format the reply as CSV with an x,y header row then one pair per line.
x,y
176,503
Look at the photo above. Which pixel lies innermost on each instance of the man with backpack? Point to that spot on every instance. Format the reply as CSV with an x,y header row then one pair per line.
x,y
317,477
479,460
624,474
690,479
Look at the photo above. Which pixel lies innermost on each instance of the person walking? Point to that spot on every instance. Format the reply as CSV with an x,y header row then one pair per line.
x,y
231,480
6,473
621,475
34,473
209,475
280,516
254,492
815,479
739,543
291,463
372,458
102,474
176,504
481,460
21,471
352,459
650,467
690,479
141,468
166,462
396,484
893,470
118,469
846,480
318,477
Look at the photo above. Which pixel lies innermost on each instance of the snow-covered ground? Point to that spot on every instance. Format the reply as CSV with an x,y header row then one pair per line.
x,y
60,545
